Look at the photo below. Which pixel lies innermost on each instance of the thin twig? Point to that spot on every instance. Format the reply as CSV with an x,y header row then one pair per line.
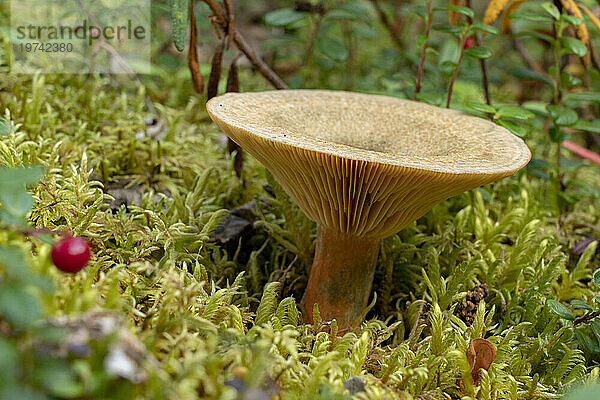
x,y
230,22
424,49
484,74
586,317
455,73
212,88
245,48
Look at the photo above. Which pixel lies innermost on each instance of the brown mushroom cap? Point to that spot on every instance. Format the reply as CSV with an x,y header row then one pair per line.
x,y
366,165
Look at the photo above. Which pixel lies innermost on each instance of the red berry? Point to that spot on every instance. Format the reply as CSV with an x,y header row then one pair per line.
x,y
70,254
469,42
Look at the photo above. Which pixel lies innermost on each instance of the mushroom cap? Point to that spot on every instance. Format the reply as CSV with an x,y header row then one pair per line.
x,y
366,165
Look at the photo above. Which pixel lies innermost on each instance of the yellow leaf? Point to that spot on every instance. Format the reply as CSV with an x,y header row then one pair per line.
x,y
590,14
453,15
582,32
506,22
493,10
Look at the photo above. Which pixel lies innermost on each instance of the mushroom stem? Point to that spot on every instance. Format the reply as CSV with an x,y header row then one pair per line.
x,y
341,277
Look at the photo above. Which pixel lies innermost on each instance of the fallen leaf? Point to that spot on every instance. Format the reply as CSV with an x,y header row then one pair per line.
x,y
480,354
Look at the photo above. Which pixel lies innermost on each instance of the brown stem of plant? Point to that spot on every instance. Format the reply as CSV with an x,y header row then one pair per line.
x,y
484,74
230,22
455,73
212,88
424,49
37,231
586,317
245,48
193,65
233,86
392,29
341,277
311,40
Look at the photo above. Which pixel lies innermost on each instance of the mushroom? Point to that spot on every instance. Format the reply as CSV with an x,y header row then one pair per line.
x,y
363,167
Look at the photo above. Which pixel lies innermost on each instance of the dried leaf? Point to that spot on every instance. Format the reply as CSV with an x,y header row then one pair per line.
x,y
215,71
233,80
582,32
453,15
193,66
493,10
480,354
506,21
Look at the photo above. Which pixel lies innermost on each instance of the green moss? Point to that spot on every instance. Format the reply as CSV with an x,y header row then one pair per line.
x,y
204,310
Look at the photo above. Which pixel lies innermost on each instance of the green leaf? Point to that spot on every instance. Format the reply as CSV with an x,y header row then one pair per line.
x,y
529,16
589,344
560,309
17,202
590,126
21,392
517,129
592,97
525,73
492,30
551,9
13,261
478,52
596,328
364,31
562,116
59,379
352,10
514,112
596,277
459,9
582,305
574,45
568,80
447,28
179,21
5,127
482,107
557,135
18,176
332,47
572,19
19,307
283,17
535,34
9,360
433,98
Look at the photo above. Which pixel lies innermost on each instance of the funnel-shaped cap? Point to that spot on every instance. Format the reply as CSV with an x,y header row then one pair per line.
x,y
366,165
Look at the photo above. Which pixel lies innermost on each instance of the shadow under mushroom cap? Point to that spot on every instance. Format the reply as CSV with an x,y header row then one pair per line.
x,y
363,164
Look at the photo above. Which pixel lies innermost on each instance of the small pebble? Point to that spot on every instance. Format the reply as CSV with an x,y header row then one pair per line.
x,y
354,384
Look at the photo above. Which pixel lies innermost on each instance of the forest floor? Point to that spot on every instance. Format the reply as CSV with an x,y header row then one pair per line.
x,y
204,269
